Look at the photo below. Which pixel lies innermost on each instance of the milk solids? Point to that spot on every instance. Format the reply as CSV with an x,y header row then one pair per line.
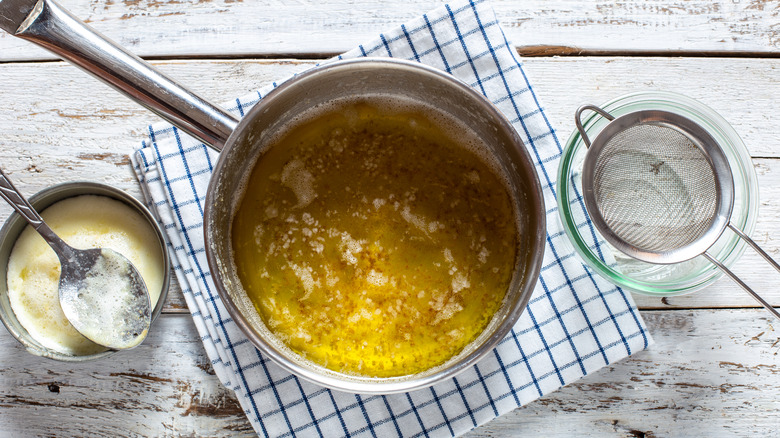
x,y
372,243
87,221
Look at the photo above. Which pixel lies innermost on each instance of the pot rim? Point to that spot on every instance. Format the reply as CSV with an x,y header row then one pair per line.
x,y
369,385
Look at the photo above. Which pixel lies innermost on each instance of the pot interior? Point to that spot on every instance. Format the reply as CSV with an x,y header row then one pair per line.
x,y
375,79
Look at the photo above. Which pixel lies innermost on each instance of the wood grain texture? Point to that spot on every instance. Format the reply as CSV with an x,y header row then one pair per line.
x,y
165,386
66,126
711,373
207,28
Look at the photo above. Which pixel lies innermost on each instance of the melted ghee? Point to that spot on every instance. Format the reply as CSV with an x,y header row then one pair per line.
x,y
373,244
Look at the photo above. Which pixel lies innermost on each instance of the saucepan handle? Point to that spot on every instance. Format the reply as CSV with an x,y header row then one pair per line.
x,y
46,23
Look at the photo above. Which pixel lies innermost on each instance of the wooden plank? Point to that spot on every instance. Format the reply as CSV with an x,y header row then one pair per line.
x,y
728,86
539,27
65,126
66,108
710,373
715,372
166,386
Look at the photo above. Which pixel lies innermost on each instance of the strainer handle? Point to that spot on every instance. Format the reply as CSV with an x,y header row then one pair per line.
x,y
737,280
578,119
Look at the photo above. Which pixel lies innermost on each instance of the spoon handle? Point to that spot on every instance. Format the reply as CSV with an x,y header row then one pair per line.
x,y
10,193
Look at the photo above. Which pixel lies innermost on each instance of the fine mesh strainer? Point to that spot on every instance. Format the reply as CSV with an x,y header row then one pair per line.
x,y
659,188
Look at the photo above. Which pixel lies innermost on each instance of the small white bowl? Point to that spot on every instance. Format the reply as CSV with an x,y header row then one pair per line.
x,y
14,226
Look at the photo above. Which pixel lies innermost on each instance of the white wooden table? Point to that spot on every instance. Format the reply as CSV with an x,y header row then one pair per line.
x,y
714,370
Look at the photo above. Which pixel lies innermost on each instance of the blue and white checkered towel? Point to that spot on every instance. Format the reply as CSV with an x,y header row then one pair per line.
x,y
575,323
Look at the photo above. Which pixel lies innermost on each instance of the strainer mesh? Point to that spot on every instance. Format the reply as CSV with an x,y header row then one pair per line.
x,y
655,188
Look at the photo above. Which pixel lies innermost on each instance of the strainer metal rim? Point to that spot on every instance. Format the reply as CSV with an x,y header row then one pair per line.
x,y
724,182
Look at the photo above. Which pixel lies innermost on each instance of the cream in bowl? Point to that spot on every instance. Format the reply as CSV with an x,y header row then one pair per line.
x,y
85,215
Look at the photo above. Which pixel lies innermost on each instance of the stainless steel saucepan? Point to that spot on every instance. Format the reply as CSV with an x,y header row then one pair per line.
x,y
47,24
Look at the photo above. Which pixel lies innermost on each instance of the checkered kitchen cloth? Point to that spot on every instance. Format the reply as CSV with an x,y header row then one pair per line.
x,y
575,323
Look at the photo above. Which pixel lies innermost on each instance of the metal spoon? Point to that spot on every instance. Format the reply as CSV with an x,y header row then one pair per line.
x,y
101,292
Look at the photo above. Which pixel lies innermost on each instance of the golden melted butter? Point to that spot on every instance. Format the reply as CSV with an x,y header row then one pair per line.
x,y
373,245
